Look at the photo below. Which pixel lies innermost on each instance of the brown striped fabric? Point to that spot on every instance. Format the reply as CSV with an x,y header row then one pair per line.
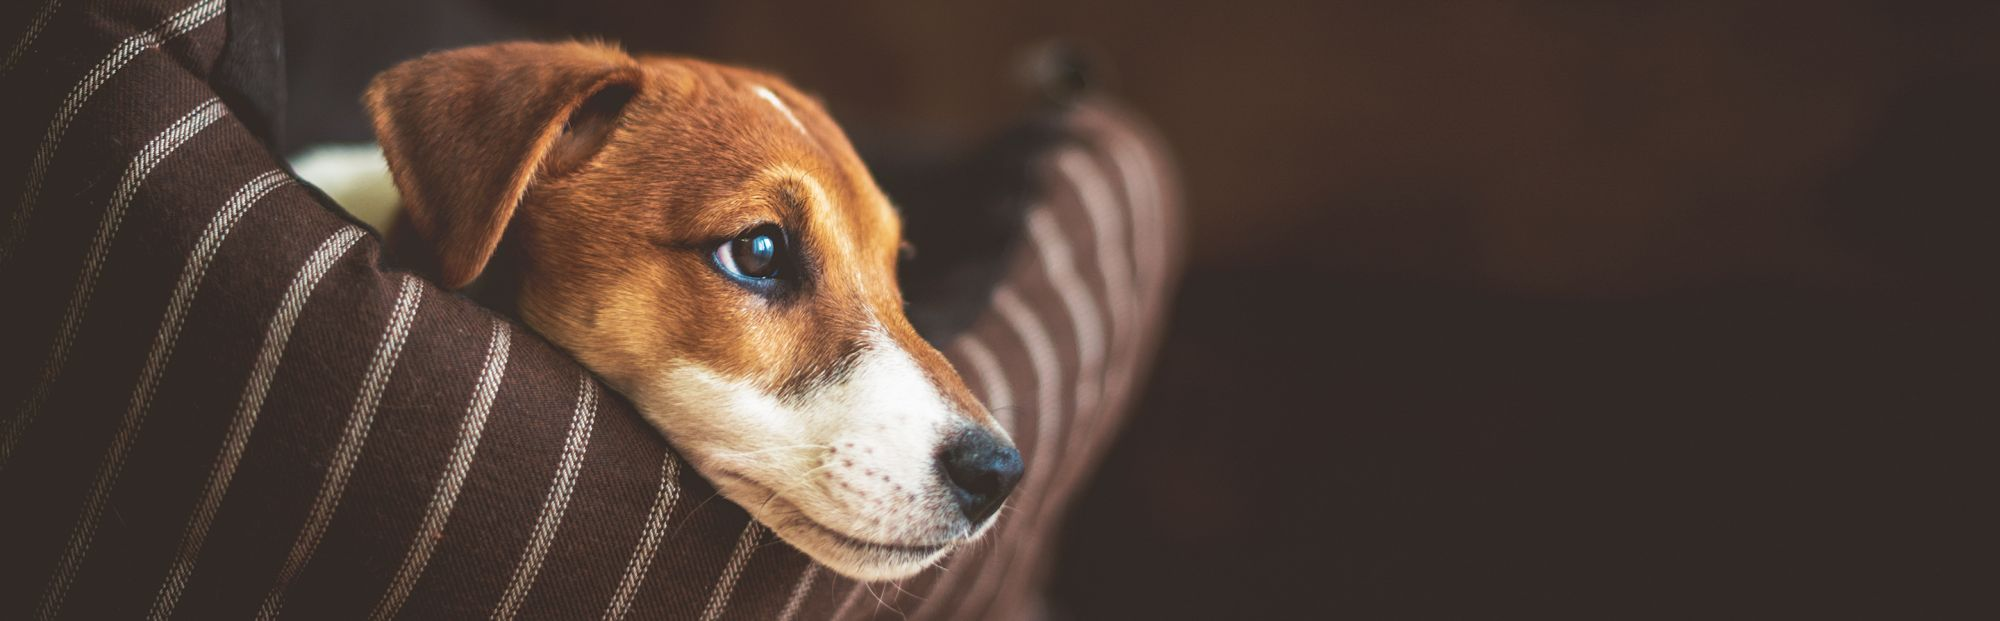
x,y
218,403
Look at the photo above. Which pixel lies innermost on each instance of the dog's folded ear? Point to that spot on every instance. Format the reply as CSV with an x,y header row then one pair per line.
x,y
467,131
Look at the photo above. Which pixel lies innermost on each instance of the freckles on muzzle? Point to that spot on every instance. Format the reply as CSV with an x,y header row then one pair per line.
x,y
903,452
970,474
873,472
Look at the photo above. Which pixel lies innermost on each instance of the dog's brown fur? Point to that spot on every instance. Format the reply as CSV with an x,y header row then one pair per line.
x,y
607,184
618,223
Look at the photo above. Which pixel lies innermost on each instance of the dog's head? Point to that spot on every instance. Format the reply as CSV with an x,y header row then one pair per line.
x,y
704,238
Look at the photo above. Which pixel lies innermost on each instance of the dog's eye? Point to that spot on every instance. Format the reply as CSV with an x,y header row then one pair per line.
x,y
756,254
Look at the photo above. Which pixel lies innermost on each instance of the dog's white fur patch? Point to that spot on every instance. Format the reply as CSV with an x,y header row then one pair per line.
x,y
354,175
852,461
772,98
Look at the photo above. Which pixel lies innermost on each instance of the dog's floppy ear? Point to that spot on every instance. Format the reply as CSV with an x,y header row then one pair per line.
x,y
466,131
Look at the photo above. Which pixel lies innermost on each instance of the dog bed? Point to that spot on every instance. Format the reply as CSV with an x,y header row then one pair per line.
x,y
219,404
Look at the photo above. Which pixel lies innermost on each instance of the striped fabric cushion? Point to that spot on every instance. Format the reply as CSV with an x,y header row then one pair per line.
x,y
219,405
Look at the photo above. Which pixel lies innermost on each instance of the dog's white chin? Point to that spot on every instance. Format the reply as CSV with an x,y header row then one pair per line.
x,y
847,474
831,544
867,567
850,557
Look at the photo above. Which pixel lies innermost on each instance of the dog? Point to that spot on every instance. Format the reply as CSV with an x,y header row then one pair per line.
x,y
704,239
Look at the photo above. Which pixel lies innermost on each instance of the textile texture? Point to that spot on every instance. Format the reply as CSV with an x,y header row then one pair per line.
x,y
219,404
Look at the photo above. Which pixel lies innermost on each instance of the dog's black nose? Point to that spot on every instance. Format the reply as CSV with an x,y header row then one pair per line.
x,y
981,469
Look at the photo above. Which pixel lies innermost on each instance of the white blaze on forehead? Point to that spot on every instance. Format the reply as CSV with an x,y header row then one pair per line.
x,y
772,98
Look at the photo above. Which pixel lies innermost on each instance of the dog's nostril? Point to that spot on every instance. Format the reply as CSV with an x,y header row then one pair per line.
x,y
982,469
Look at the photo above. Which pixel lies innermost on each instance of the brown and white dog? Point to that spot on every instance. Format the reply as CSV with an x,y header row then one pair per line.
x,y
704,238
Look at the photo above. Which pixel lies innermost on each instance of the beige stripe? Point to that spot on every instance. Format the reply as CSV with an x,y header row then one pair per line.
x,y
1135,162
1090,429
1096,201
1150,251
1148,255
1077,439
1136,167
27,40
276,334
1042,358
1115,265
84,531
992,379
649,538
530,564
799,592
718,599
962,561
1000,400
175,25
1115,262
1061,271
348,451
1048,416
949,569
1059,263
142,165
457,466
853,595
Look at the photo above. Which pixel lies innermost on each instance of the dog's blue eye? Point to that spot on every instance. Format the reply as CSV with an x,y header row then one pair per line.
x,y
755,254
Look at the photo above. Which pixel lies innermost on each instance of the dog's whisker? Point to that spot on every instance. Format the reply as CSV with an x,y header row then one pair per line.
x,y
697,508
879,603
794,447
767,501
899,587
803,480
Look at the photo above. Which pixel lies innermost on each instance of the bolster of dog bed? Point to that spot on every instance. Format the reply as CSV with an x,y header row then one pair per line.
x,y
219,404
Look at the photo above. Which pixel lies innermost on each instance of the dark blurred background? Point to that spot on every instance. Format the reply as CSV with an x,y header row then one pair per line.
x,y
1599,309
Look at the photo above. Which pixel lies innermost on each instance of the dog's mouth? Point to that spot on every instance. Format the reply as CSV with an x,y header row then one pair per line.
x,y
859,544
921,550
850,554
